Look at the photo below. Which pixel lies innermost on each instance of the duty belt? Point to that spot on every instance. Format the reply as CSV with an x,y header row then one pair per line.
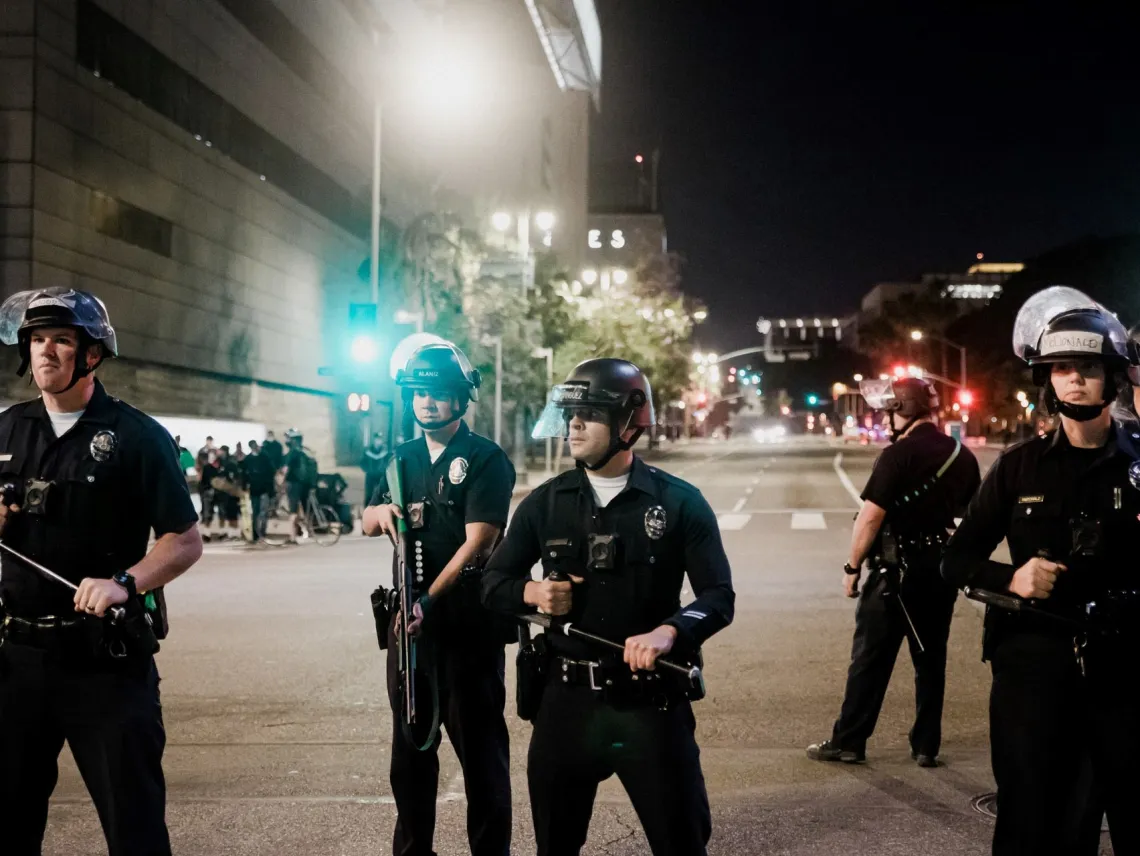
x,y
601,677
54,632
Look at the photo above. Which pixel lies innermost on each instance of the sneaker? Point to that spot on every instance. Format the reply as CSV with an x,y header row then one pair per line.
x,y
825,751
924,760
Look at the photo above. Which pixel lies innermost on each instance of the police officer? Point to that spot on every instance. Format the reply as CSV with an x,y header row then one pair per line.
x,y
93,477
616,538
919,485
457,489
1068,509
1126,408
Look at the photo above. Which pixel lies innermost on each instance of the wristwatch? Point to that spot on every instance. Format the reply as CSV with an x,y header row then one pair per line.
x,y
850,571
126,581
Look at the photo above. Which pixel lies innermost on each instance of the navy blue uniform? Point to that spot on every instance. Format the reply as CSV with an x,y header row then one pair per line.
x,y
114,478
471,482
587,729
1049,717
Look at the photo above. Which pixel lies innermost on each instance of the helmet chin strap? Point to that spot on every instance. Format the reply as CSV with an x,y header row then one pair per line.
x,y
1076,412
896,435
436,425
617,444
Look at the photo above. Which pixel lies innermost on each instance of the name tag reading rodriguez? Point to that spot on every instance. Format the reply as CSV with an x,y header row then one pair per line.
x,y
1025,500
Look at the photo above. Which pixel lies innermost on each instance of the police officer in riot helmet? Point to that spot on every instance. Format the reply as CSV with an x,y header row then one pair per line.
x,y
457,491
1060,623
76,657
616,538
1126,408
919,485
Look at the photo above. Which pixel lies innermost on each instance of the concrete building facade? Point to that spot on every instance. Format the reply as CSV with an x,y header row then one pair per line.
x,y
205,167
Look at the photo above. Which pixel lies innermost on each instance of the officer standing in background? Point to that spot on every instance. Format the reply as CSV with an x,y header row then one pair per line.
x,y
457,489
373,462
616,538
258,475
919,485
1063,677
92,476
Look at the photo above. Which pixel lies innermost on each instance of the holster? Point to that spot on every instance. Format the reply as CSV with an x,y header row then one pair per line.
x,y
135,632
383,604
532,665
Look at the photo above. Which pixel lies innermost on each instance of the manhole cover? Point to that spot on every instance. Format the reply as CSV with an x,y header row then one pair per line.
x,y
987,804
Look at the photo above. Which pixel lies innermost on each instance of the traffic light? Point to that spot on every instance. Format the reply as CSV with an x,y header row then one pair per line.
x,y
899,371
359,402
965,397
702,399
812,400
364,348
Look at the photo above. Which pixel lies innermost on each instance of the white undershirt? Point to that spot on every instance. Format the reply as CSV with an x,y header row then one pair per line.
x,y
64,422
606,489
436,454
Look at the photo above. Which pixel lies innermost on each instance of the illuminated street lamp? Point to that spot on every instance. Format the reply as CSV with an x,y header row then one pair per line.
x,y
589,276
501,220
700,315
620,275
544,220
916,335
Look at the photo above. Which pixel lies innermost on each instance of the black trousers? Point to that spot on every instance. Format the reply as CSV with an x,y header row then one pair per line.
x,y
472,697
579,741
880,627
111,717
1063,748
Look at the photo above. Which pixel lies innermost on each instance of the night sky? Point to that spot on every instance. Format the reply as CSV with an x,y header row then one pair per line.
x,y
810,150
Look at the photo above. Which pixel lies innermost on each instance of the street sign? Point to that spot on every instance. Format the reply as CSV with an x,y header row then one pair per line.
x,y
775,357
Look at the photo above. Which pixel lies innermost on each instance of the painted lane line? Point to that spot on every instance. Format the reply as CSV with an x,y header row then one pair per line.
x,y
733,522
808,520
739,504
837,464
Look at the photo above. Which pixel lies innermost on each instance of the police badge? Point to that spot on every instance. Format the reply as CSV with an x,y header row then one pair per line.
x,y
655,522
457,472
103,445
1134,474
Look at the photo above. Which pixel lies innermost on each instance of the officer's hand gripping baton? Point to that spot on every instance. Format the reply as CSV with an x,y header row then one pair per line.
x,y
117,613
692,673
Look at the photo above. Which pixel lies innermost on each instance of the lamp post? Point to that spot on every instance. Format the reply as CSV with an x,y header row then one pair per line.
x,y
548,353
918,335
497,341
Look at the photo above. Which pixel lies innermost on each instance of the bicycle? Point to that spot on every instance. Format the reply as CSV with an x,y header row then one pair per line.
x,y
321,522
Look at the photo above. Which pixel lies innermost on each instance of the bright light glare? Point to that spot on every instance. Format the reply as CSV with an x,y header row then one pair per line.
x,y
544,220
858,378
589,276
698,357
620,275
916,335
364,349
700,315
403,316
353,402
713,357
501,220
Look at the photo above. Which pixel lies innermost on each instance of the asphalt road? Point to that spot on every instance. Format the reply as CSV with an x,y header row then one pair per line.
x,y
278,728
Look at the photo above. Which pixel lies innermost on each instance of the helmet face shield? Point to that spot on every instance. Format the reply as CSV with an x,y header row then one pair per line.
x,y
563,400
56,307
879,394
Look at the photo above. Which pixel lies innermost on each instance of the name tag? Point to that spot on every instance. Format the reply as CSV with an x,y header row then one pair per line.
x,y
4,458
1024,500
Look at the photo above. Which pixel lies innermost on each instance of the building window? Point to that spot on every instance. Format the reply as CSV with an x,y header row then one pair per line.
x,y
113,52
117,219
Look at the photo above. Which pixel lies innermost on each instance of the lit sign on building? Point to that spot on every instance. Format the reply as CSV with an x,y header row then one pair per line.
x,y
594,239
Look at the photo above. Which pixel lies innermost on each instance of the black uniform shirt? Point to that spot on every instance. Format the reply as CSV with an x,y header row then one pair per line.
x,y
904,467
665,530
115,477
471,482
258,473
373,461
1035,496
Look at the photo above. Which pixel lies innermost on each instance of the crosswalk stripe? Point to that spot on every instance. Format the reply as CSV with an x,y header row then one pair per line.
x,y
808,520
732,522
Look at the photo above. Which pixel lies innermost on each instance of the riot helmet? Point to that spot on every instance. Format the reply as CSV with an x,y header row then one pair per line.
x,y
293,437
1061,324
443,369
617,387
913,398
82,311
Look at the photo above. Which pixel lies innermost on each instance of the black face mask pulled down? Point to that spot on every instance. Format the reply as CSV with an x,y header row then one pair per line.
x,y
1076,412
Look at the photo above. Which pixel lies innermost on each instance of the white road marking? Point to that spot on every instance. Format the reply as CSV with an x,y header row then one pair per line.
x,y
845,479
845,510
739,504
808,520
732,522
